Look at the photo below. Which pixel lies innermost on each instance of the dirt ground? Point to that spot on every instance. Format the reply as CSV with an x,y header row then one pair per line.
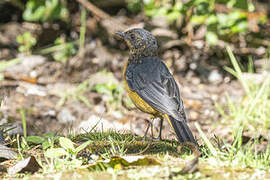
x,y
38,83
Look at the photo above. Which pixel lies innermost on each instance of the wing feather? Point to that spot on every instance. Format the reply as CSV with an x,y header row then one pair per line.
x,y
153,82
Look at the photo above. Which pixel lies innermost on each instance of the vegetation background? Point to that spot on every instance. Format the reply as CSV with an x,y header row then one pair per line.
x,y
64,111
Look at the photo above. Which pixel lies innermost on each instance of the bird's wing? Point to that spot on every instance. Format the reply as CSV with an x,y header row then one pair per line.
x,y
153,82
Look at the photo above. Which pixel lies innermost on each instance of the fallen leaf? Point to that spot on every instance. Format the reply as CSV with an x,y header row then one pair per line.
x,y
29,164
117,162
7,153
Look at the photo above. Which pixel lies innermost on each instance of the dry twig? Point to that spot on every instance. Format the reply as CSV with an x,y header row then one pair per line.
x,y
102,15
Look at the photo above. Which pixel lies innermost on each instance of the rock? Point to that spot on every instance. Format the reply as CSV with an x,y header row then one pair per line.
x,y
27,64
50,113
215,77
100,108
92,122
198,44
31,89
101,124
193,115
65,116
29,164
117,114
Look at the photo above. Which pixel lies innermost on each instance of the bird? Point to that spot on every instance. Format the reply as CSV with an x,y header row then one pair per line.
x,y
151,86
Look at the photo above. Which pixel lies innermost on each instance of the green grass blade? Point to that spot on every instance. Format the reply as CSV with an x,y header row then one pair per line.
x,y
261,92
22,112
238,70
207,142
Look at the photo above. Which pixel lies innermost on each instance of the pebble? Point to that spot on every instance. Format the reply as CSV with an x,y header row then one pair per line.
x,y
28,63
65,116
193,115
101,124
215,77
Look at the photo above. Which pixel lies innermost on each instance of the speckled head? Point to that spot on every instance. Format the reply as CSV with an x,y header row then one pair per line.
x,y
140,42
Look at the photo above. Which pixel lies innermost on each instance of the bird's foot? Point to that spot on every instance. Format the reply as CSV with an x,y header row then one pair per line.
x,y
156,138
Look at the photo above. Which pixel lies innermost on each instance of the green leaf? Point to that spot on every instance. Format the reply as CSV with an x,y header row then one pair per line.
x,y
211,38
45,10
49,134
173,15
46,145
198,19
82,146
117,162
222,19
35,139
55,152
101,88
243,4
66,143
211,20
240,27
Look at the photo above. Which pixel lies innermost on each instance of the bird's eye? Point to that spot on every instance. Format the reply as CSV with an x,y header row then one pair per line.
x,y
132,36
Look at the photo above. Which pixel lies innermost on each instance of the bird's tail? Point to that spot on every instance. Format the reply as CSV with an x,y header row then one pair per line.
x,y
182,131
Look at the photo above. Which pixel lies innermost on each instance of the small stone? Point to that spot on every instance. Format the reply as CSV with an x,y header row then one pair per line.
x,y
117,114
50,113
100,108
65,116
31,89
193,115
33,74
27,64
101,124
93,121
193,66
199,44
29,164
215,77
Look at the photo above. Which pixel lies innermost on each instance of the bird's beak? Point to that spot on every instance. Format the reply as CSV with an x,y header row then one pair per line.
x,y
120,35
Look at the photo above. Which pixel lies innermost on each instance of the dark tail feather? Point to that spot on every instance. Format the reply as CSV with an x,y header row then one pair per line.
x,y
182,131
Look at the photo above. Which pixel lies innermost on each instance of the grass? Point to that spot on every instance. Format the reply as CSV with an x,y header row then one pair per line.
x,y
105,154
252,110
250,114
22,112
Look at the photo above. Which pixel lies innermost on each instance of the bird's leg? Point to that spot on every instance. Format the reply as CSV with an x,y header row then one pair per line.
x,y
146,131
160,129
152,131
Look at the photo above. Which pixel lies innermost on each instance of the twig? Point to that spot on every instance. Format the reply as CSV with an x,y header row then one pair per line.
x,y
102,15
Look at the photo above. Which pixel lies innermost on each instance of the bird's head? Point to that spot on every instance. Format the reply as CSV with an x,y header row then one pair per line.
x,y
141,42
